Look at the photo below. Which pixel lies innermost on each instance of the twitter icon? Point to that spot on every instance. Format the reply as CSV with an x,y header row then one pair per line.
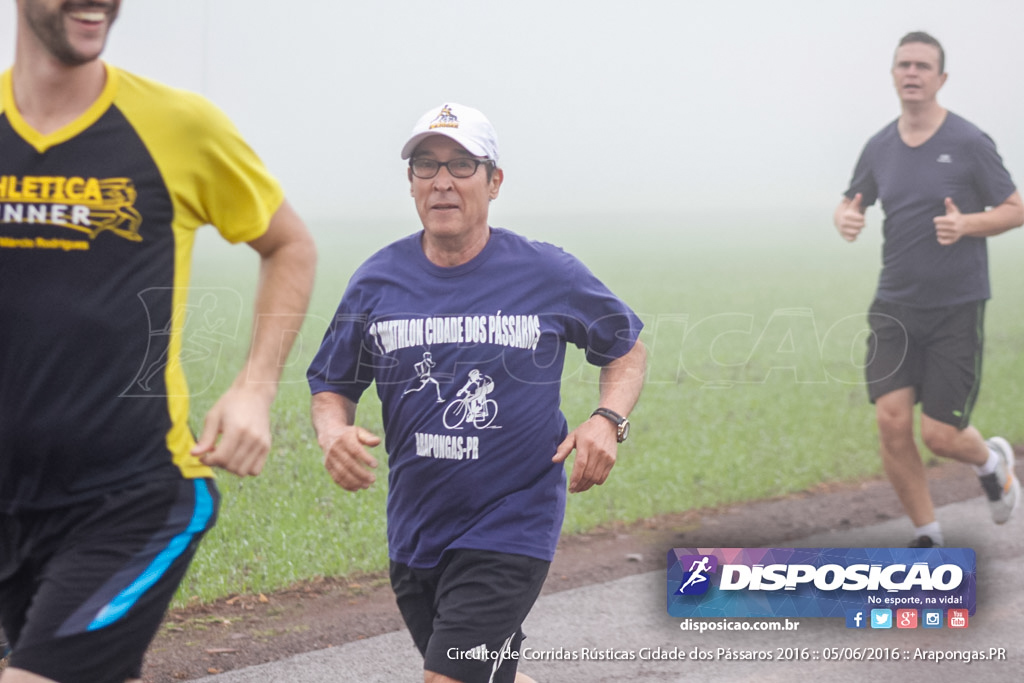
x,y
881,618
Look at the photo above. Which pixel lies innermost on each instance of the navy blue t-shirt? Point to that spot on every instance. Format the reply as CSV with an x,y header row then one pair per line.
x,y
958,161
468,366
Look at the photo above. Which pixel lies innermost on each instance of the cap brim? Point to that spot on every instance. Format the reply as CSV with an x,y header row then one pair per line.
x,y
414,142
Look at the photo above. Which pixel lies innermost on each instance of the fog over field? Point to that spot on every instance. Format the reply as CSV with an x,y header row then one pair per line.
x,y
737,107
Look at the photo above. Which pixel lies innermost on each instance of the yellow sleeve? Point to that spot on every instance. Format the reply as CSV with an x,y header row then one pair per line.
x,y
213,176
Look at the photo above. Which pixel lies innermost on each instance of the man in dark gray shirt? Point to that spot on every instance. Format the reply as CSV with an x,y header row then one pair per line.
x,y
935,174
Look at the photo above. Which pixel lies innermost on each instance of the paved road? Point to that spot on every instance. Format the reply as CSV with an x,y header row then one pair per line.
x,y
629,615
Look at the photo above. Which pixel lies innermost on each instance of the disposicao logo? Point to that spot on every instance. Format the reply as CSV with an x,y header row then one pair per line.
x,y
696,580
818,582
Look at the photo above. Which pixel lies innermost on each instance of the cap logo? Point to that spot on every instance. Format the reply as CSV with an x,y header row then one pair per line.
x,y
446,119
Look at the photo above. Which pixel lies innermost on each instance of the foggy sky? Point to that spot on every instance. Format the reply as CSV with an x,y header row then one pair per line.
x,y
600,107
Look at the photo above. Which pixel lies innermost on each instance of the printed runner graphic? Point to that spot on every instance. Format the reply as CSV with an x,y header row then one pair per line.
x,y
423,369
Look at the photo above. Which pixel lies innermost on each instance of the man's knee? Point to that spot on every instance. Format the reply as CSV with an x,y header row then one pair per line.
x,y
22,676
940,438
895,418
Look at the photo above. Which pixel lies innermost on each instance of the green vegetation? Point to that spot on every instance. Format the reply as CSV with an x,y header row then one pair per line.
x,y
756,339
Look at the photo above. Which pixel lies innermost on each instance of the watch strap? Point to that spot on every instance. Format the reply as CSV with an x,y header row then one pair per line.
x,y
620,422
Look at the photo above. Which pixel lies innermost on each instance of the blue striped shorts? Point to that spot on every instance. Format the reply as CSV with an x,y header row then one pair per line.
x,y
83,589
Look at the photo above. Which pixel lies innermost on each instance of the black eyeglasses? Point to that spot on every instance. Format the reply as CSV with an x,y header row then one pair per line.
x,y
463,167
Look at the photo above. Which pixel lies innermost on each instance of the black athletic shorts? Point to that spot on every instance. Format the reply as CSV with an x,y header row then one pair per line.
x,y
83,589
937,351
466,614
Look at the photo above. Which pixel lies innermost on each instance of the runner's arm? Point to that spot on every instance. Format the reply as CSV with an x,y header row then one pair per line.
x,y
849,217
241,417
344,445
953,225
595,440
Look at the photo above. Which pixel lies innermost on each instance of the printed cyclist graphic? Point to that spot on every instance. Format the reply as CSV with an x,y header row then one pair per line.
x,y
472,405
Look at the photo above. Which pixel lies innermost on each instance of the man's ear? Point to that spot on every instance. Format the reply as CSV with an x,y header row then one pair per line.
x,y
497,177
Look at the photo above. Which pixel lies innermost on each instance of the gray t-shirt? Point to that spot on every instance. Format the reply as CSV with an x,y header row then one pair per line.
x,y
958,161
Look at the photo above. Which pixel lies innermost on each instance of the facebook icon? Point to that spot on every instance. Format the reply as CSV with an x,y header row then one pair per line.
x,y
856,618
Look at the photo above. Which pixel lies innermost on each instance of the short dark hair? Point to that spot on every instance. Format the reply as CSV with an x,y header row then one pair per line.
x,y
927,39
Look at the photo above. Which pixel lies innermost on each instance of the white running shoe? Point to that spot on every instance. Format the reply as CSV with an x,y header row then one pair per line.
x,y
1002,486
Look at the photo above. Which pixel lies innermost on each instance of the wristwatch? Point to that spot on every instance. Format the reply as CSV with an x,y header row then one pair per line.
x,y
621,423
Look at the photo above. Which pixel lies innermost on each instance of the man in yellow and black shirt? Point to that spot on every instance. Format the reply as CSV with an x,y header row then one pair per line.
x,y
104,492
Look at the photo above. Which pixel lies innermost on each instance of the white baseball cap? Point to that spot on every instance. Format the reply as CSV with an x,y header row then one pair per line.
x,y
467,126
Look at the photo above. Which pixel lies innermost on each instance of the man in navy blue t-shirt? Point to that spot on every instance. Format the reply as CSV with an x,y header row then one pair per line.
x,y
476,483
936,175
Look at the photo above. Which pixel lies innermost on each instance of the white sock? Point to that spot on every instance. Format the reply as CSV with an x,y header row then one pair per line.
x,y
990,465
932,530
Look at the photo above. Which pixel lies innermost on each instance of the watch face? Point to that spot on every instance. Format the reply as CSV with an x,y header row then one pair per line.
x,y
623,431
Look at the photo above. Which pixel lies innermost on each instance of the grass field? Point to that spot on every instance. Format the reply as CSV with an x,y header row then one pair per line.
x,y
756,338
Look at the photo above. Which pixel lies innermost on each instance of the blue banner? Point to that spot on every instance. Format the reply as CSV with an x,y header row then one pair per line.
x,y
819,582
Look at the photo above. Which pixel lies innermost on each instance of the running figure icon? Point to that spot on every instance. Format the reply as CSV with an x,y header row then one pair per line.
x,y
423,369
473,406
698,569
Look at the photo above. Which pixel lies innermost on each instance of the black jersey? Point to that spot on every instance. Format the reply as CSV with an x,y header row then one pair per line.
x,y
960,162
97,222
